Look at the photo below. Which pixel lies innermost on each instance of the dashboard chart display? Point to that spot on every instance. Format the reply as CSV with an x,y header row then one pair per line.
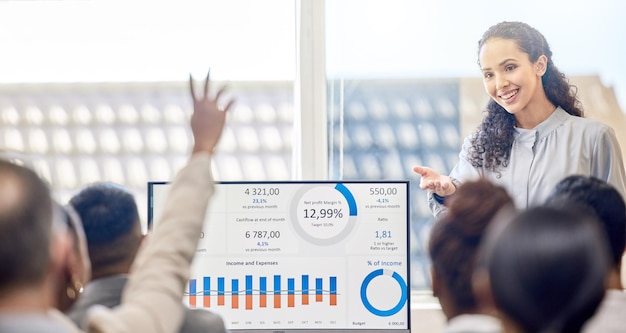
x,y
325,255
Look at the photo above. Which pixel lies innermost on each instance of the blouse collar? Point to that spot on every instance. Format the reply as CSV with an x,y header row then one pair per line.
x,y
555,120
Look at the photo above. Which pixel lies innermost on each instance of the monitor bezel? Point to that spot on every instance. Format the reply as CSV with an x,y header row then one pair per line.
x,y
407,183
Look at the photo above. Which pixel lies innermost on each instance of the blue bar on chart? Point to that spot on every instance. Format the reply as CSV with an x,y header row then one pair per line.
x,y
220,291
333,290
263,292
235,293
305,289
192,292
248,292
318,290
206,292
291,292
276,291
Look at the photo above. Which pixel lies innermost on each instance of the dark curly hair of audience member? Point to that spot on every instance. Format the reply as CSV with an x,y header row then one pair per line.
x,y
456,236
606,202
547,267
491,143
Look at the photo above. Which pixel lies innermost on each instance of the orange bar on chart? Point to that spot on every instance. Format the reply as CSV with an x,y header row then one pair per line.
x,y
319,298
220,300
277,301
291,293
249,292
276,291
235,293
305,299
333,290
235,301
263,291
206,292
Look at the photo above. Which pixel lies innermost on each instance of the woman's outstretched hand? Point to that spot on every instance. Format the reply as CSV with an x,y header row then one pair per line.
x,y
208,118
434,182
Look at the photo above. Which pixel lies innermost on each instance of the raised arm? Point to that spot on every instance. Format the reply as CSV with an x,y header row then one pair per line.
x,y
207,120
152,299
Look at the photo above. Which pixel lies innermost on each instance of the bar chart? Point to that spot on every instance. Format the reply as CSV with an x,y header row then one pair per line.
x,y
262,291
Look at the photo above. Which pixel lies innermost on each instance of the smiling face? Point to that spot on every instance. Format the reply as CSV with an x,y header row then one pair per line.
x,y
510,78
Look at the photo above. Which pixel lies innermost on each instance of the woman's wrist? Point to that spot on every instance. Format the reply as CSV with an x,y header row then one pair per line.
x,y
441,199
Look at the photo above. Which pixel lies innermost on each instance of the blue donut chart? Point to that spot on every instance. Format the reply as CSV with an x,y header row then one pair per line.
x,y
351,217
397,307
349,197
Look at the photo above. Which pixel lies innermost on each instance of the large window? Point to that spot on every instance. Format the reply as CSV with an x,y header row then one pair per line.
x,y
97,90
404,87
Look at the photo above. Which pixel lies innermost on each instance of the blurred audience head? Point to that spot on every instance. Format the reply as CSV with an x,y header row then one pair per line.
x,y
604,199
35,246
112,227
25,227
454,241
546,268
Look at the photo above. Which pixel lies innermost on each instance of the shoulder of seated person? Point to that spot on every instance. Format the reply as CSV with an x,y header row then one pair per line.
x,y
202,319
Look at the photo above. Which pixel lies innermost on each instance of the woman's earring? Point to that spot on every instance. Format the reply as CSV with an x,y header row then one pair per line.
x,y
74,288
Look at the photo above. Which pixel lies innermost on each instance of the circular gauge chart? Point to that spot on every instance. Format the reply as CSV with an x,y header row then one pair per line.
x,y
383,302
323,214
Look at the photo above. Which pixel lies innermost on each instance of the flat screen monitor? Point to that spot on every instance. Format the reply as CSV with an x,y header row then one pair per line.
x,y
299,255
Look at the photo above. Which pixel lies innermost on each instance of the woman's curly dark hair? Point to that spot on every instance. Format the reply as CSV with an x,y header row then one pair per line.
x,y
491,143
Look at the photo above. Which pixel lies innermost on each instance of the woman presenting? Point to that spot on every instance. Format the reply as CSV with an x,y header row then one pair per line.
x,y
533,134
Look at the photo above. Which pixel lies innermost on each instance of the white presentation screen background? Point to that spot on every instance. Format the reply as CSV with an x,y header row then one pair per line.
x,y
302,255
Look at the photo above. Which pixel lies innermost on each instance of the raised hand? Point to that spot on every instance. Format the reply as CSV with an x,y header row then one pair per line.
x,y
208,118
434,182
